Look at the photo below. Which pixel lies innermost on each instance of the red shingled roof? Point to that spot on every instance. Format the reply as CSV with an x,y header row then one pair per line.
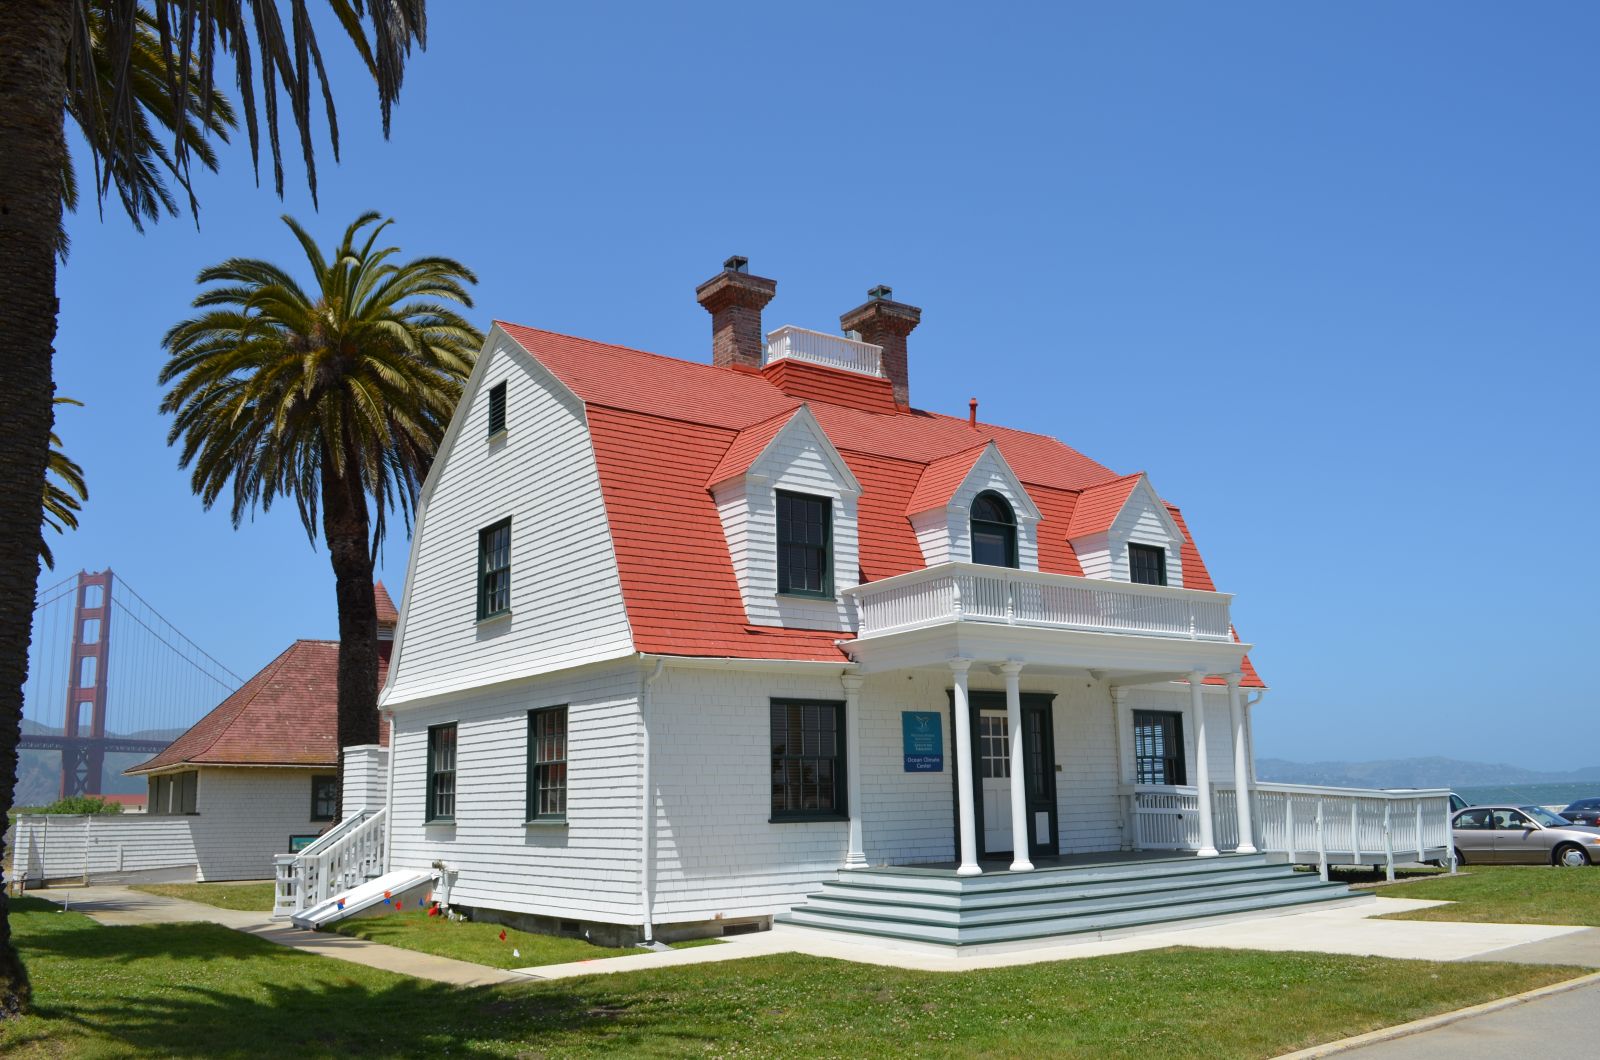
x,y
941,478
388,614
1099,506
286,715
664,429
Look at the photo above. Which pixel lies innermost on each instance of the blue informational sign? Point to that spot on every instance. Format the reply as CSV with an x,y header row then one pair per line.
x,y
924,741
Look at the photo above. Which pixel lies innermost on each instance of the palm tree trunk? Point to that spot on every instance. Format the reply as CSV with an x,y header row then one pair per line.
x,y
33,49
346,530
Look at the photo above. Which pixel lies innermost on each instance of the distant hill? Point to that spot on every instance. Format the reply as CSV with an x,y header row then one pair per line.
x,y
39,772
1414,773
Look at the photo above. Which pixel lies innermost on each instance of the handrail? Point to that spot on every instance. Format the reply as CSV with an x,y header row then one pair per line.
x,y
819,347
344,856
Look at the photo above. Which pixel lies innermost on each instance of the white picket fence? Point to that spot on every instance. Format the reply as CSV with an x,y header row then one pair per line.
x,y
1312,825
346,855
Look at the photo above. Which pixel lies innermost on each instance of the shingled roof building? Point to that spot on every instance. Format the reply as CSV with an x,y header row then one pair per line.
x,y
259,773
682,641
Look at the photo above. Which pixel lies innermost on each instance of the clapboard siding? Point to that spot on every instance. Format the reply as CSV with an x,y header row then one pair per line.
x,y
566,602
246,816
945,533
587,869
1142,521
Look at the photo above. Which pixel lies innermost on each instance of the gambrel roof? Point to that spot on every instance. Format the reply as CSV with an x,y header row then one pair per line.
x,y
664,429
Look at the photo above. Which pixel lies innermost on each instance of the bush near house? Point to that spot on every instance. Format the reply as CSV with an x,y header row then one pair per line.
x,y
74,804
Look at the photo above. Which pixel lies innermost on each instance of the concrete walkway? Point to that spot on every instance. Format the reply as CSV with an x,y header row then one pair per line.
x,y
121,906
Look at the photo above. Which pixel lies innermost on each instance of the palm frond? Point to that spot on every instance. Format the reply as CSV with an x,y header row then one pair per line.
x,y
65,491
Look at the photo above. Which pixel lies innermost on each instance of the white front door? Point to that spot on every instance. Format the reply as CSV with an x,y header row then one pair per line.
x,y
994,771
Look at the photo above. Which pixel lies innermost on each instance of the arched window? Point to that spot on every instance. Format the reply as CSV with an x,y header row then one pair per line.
x,y
994,531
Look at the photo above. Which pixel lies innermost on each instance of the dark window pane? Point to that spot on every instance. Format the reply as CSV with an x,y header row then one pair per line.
x,y
1158,747
1147,565
994,531
547,762
494,569
441,772
804,544
807,771
497,408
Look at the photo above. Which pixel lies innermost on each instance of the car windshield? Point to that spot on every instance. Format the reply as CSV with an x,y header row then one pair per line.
x,y
1545,817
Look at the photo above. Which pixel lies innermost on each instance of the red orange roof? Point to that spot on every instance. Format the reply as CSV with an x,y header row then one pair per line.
x,y
388,614
664,429
1099,506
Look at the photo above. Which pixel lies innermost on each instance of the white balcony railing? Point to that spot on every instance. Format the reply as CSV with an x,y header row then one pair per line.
x,y
974,593
818,347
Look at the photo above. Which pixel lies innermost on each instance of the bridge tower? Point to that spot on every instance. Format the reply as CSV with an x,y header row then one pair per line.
x,y
83,748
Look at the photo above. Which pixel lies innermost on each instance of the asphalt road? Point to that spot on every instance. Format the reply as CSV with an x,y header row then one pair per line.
x,y
1559,1027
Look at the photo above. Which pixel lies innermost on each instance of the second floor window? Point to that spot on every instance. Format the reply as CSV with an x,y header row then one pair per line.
x,y
1147,564
494,570
324,798
441,773
497,408
805,545
994,531
1158,747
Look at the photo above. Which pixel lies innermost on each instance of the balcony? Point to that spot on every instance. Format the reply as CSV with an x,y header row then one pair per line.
x,y
817,347
966,609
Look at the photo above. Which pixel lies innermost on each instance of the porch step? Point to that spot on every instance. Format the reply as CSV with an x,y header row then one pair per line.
x,y
927,906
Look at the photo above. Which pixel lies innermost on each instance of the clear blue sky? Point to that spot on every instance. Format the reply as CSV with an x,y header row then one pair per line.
x,y
1326,271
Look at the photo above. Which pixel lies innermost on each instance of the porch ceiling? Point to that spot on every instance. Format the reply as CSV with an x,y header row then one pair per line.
x,y
1120,658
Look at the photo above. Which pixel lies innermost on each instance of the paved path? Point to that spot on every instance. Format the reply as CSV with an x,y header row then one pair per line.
x,y
119,905
1553,1027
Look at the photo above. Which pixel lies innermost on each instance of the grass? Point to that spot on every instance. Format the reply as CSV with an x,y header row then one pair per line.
x,y
200,990
1509,894
480,943
254,897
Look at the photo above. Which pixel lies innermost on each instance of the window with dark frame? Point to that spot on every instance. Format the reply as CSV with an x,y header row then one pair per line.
x,y
497,409
1158,747
324,798
494,570
994,531
1147,564
807,759
805,545
441,773
547,764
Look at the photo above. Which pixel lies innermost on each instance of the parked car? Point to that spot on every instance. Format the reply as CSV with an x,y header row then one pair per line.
x,y
1522,834
1584,811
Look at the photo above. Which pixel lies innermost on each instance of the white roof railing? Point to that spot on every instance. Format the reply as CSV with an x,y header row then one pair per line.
x,y
818,347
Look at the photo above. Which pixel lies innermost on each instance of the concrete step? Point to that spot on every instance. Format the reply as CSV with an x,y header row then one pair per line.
x,y
1045,927
1054,909
913,878
859,886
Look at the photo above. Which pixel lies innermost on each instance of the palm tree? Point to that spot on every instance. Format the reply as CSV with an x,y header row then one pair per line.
x,y
93,59
332,395
64,492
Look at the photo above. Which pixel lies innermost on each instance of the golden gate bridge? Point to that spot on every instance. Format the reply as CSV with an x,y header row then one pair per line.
x,y
101,655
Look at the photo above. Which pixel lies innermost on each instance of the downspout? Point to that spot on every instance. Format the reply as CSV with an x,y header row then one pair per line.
x,y
647,807
1250,730
388,790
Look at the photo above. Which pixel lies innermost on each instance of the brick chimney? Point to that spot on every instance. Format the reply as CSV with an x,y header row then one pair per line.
x,y
884,322
734,298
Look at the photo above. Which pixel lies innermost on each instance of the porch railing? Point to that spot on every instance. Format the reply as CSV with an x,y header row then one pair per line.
x,y
969,592
1312,825
347,854
818,347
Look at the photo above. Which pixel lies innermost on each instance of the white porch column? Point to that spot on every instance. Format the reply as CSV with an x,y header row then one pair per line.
x,y
1241,765
1202,767
968,828
1019,789
856,856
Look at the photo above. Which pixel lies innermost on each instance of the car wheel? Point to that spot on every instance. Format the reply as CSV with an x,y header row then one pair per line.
x,y
1570,856
1460,860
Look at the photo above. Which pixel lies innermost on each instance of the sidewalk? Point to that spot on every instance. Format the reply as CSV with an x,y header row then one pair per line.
x,y
121,906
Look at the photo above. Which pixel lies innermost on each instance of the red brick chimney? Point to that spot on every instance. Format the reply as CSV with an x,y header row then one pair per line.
x,y
884,322
734,298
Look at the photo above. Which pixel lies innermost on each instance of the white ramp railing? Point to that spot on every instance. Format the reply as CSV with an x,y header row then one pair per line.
x,y
1312,825
346,855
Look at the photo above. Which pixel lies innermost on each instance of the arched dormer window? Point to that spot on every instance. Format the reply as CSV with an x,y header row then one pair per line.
x,y
994,531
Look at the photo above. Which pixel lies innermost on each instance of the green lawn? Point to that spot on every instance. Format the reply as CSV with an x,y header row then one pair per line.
x,y
1508,894
200,990
479,943
256,897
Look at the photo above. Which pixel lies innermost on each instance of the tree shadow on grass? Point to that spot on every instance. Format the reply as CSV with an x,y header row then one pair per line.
x,y
201,990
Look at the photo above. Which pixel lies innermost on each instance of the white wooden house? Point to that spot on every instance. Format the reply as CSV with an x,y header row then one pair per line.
x,y
686,646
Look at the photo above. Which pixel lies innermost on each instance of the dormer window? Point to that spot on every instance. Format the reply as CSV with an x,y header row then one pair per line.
x,y
994,531
805,545
1147,564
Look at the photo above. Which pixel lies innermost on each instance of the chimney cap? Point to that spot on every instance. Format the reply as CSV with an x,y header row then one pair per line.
x,y
737,263
881,293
